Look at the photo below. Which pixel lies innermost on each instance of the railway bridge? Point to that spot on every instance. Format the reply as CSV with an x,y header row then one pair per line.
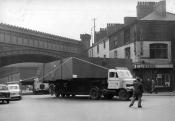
x,y
19,45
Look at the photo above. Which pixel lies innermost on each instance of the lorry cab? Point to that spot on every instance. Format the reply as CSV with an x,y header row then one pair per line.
x,y
120,78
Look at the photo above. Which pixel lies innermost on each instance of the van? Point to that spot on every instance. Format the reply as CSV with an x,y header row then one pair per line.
x,y
15,91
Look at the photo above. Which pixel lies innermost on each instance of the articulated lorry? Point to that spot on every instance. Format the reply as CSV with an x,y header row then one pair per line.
x,y
74,76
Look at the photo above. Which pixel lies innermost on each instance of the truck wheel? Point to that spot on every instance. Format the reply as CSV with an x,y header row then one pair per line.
x,y
123,95
95,93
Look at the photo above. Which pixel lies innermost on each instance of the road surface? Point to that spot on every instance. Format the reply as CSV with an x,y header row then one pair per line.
x,y
50,108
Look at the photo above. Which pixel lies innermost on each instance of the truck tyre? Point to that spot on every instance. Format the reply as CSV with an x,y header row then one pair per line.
x,y
95,93
123,95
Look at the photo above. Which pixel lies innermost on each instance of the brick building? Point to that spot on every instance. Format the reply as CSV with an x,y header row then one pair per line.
x,y
149,40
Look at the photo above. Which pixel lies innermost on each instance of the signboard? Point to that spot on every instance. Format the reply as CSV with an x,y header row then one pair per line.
x,y
144,66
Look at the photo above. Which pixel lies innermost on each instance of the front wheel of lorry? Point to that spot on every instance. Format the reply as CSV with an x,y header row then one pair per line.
x,y
94,93
123,95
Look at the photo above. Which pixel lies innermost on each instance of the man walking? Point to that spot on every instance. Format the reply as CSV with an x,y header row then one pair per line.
x,y
137,92
153,87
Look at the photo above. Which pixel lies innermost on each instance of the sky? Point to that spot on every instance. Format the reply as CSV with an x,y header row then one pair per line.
x,y
68,18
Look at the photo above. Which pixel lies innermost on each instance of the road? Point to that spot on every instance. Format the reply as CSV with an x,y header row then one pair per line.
x,y
49,108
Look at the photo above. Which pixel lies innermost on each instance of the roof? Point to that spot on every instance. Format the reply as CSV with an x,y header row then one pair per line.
x,y
155,16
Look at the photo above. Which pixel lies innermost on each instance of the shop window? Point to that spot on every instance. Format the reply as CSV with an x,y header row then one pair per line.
x,y
163,80
158,51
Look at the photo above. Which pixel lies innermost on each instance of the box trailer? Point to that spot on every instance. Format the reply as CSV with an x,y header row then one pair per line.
x,y
75,76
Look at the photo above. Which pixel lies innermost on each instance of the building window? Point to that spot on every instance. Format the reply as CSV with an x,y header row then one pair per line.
x,y
104,56
97,48
127,53
115,43
158,51
126,35
89,53
92,53
104,44
115,54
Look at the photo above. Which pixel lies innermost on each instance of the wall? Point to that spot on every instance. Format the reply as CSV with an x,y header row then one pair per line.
x,y
140,51
121,52
102,51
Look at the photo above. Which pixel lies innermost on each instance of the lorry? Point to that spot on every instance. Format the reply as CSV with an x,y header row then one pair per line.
x,y
76,76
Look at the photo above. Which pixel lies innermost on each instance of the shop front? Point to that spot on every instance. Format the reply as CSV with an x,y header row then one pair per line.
x,y
161,74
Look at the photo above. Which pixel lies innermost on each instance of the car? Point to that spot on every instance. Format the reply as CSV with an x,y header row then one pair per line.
x,y
4,93
15,91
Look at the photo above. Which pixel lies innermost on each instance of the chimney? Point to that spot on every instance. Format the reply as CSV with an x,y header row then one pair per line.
x,y
113,27
144,8
160,8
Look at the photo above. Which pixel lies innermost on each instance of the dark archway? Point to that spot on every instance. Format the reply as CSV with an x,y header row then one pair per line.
x,y
12,59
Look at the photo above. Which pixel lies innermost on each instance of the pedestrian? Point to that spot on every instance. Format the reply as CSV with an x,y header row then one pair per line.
x,y
137,92
153,86
148,85
52,89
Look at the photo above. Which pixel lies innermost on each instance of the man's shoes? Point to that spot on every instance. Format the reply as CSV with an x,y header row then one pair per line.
x,y
130,105
139,106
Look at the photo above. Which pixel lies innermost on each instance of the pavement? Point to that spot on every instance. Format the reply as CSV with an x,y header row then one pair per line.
x,y
160,94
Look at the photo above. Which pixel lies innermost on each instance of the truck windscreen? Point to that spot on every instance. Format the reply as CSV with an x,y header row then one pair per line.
x,y
124,74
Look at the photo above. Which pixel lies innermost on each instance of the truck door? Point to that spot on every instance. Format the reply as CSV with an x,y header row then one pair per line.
x,y
113,81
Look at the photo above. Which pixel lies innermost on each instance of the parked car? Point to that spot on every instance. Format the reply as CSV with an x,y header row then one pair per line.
x,y
4,93
15,91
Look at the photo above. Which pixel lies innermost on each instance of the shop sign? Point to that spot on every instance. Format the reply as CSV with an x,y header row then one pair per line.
x,y
144,66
